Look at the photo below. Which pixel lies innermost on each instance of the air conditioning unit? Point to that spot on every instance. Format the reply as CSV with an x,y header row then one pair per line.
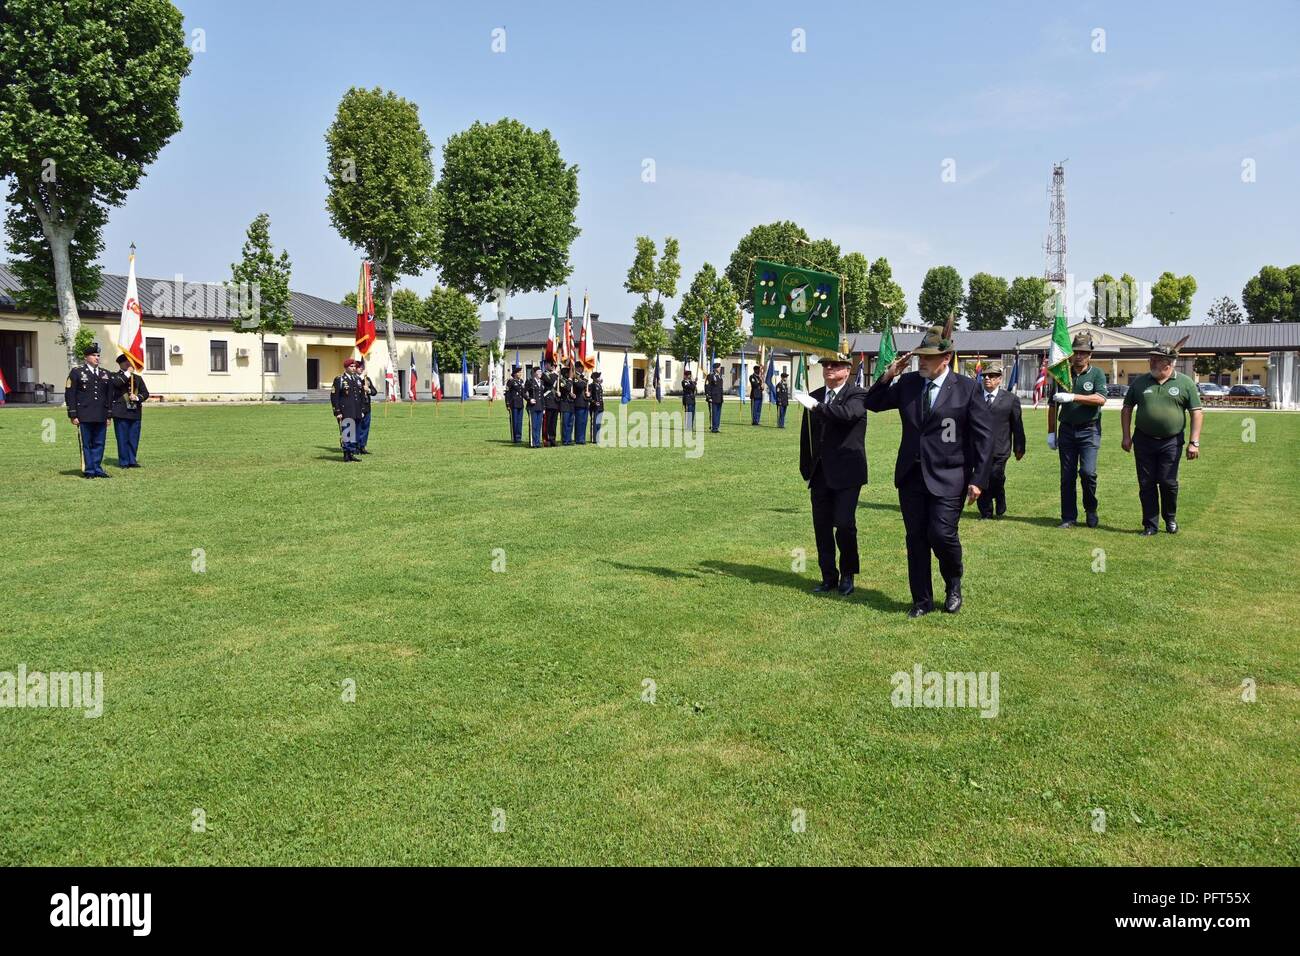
x,y
241,353
176,350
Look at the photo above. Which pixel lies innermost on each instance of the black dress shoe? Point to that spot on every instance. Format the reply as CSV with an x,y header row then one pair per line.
x,y
362,451
919,610
1171,527
1092,519
1066,524
824,588
952,601
985,517
846,585
1147,532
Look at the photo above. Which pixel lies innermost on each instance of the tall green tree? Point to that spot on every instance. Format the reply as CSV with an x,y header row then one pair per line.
x,y
1029,302
33,265
784,242
1271,295
508,214
855,270
381,195
1114,302
1103,298
1171,298
453,319
886,302
88,101
654,282
941,295
259,290
986,302
712,295
1224,311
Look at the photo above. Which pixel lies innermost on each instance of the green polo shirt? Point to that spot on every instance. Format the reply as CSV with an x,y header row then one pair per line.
x,y
1161,408
1091,382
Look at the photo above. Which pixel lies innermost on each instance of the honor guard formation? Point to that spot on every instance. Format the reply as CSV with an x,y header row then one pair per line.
x,y
93,398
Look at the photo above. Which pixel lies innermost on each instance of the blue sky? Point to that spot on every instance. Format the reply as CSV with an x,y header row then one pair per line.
x,y
848,139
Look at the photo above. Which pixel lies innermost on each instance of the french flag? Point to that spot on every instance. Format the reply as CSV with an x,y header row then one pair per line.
x,y
4,388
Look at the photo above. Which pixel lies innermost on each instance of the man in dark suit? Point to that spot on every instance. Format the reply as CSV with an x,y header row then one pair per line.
x,y
713,395
833,460
944,456
1008,436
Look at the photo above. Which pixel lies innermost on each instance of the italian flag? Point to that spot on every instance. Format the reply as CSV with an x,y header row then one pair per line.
x,y
1059,352
550,333
130,333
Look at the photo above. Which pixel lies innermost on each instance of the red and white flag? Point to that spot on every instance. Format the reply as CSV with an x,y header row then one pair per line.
x,y
410,385
586,343
130,333
1041,383
390,385
365,313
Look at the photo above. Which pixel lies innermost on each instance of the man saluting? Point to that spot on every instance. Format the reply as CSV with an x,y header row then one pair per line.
x,y
943,458
833,460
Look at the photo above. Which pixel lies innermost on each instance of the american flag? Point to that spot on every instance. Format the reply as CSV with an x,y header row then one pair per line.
x,y
1041,383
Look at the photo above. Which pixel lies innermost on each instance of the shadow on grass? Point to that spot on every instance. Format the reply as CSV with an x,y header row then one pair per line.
x,y
649,569
971,513
758,574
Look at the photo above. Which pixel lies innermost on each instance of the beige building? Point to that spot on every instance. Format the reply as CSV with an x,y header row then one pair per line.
x,y
193,352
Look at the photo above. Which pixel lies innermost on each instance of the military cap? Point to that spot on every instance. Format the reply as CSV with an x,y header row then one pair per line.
x,y
993,368
717,365
937,339
1082,343
122,359
1165,350
784,375
361,362
597,374
349,363
92,349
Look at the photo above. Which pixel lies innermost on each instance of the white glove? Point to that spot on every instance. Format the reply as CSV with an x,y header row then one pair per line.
x,y
1062,397
1051,441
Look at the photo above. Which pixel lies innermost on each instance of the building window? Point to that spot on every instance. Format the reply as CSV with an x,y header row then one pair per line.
x,y
668,368
155,355
271,358
218,352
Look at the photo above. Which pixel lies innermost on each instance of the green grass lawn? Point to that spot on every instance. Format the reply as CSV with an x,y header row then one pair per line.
x,y
522,689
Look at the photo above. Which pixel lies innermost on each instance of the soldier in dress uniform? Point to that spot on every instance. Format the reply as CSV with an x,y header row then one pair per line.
x,y
581,405
348,398
713,395
755,396
944,459
550,402
1163,399
515,404
688,399
565,389
129,396
368,391
1079,437
782,400
596,391
1008,437
88,396
534,390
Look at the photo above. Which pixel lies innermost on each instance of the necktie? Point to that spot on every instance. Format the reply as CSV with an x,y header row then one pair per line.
x,y
830,396
925,401
989,398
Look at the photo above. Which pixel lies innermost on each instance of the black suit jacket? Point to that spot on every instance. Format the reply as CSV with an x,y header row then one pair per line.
x,y
953,446
1008,428
833,438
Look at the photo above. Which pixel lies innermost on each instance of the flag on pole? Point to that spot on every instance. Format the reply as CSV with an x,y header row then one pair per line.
x,y
743,375
1059,352
435,380
862,370
365,313
410,385
887,352
130,332
659,392
390,385
568,333
801,374
586,343
1041,383
550,332
4,387
1014,380
464,377
979,370
626,384
705,367
771,376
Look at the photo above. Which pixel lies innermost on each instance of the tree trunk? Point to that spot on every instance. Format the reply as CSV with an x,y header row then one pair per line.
x,y
262,337
60,237
392,334
501,340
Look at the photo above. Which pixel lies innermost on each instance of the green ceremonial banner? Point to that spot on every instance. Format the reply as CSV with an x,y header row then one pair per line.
x,y
796,309
1060,350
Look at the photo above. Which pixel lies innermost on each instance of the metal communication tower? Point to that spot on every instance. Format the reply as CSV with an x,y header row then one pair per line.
x,y
1055,244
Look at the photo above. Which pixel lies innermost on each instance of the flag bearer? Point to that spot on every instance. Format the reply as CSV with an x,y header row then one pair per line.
x,y
534,391
550,402
347,396
1163,398
596,391
581,406
782,400
129,396
87,394
688,399
1079,437
565,388
713,395
368,391
756,395
515,402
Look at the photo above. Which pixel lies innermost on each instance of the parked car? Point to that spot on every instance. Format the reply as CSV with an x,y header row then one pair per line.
x,y
1116,390
482,388
1252,391
1211,389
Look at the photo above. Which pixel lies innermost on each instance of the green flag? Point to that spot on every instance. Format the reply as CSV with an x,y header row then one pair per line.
x,y
797,308
1058,354
801,374
887,350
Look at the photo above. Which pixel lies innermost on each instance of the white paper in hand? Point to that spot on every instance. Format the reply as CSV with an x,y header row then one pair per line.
x,y
806,400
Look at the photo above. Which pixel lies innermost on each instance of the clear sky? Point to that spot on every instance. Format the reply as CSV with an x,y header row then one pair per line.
x,y
848,138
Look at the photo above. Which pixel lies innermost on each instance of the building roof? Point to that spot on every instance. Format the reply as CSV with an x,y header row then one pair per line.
x,y
531,334
204,303
1247,337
